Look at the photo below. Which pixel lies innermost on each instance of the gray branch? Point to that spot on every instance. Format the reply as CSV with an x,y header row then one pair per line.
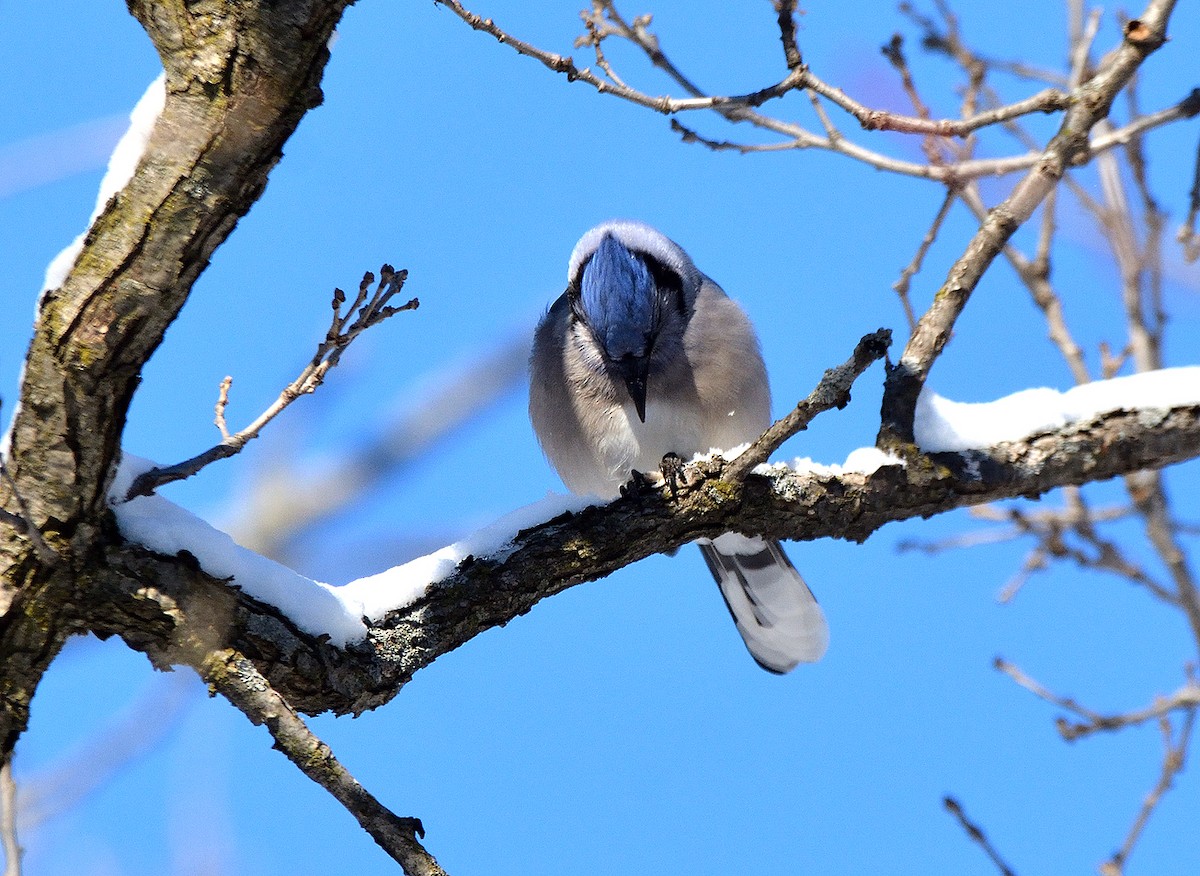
x,y
153,600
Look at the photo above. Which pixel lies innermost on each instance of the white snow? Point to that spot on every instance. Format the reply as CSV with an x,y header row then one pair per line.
x,y
121,165
376,595
164,527
945,425
864,460
313,606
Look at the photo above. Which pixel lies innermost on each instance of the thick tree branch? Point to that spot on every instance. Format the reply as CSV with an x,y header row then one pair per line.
x,y
143,596
239,77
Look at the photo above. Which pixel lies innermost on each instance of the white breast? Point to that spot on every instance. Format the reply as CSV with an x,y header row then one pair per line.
x,y
626,444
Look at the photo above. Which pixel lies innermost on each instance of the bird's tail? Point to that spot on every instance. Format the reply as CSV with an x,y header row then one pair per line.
x,y
774,610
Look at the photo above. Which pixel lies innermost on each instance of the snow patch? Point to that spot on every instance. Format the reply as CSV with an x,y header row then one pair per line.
x,y
315,607
863,460
121,166
376,595
945,425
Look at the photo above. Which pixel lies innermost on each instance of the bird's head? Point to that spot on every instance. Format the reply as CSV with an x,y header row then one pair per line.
x,y
628,285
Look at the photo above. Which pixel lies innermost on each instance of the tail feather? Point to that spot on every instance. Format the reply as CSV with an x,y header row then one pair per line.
x,y
774,610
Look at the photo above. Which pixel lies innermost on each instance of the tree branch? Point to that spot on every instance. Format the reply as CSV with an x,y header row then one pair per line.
x,y
239,77
1092,102
8,821
832,392
976,835
238,680
143,596
1187,698
366,311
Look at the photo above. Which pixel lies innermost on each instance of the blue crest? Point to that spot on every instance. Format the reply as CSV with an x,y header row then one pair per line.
x,y
620,300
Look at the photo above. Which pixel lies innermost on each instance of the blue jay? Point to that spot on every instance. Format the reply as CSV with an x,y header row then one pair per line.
x,y
645,356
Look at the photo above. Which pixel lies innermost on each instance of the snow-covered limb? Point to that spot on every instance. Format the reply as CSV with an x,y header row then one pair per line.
x,y
342,613
415,613
942,424
316,608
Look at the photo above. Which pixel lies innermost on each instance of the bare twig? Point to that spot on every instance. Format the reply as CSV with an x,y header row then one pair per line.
x,y
1187,235
937,40
242,684
1174,759
1108,556
290,498
901,285
832,392
786,18
219,407
1186,699
933,330
603,21
894,52
368,309
1149,497
976,834
8,821
1082,38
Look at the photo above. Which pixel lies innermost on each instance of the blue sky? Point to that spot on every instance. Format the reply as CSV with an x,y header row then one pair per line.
x,y
620,726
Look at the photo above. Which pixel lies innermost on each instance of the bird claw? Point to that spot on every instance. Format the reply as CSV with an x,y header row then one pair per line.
x,y
641,482
671,468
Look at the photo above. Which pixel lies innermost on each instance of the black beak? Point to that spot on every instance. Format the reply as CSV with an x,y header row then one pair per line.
x,y
633,371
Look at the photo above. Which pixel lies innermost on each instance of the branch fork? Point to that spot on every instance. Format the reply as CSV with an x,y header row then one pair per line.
x,y
368,309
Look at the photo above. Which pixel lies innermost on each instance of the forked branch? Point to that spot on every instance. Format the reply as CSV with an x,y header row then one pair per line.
x,y
368,309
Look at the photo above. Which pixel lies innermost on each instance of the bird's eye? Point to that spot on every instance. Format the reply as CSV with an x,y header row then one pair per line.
x,y
669,283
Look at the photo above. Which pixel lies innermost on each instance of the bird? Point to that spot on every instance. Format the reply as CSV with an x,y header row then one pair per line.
x,y
643,356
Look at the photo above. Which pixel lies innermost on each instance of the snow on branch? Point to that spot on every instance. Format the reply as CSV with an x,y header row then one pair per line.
x,y
398,621
121,165
945,425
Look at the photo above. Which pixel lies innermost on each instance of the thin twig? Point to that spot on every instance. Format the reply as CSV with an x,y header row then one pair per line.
x,y
290,497
1081,48
1108,557
1186,699
901,285
219,408
368,309
904,382
1187,235
976,834
939,41
786,18
894,52
832,392
1174,759
606,22
1149,497
243,685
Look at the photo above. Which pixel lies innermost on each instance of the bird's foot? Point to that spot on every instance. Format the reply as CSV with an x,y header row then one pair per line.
x,y
671,468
